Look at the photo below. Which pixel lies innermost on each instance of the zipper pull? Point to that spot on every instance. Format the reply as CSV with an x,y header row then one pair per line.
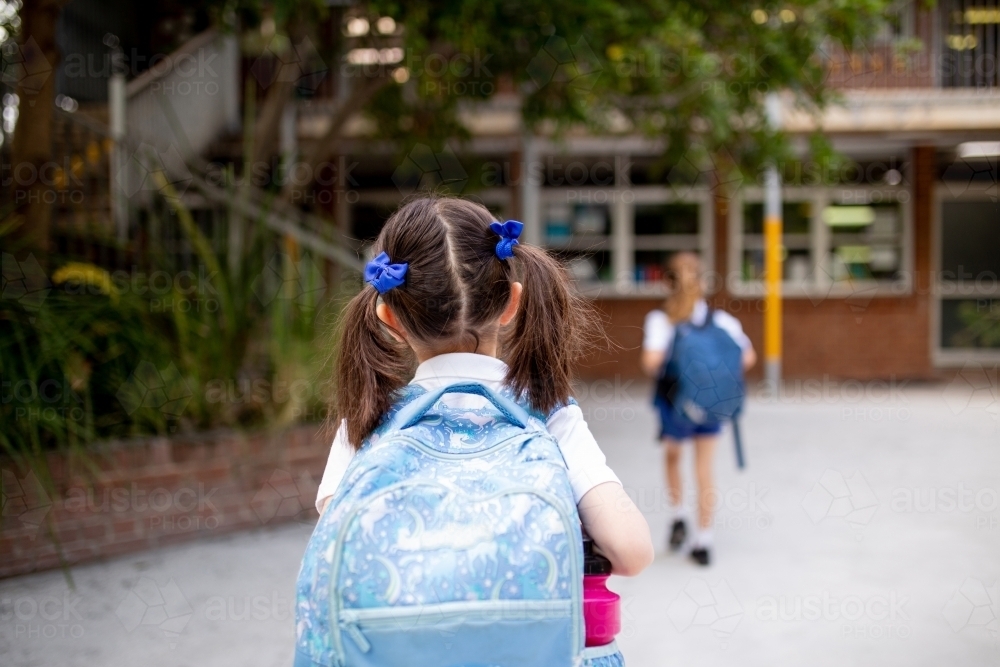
x,y
359,638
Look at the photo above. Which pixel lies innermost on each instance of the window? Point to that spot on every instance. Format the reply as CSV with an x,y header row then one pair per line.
x,y
661,230
614,237
970,35
866,241
967,322
619,238
835,241
578,233
797,260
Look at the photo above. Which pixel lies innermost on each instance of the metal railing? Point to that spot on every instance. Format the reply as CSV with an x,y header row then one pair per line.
x,y
969,43
94,176
198,85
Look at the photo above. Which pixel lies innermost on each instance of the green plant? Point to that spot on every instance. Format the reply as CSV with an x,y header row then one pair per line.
x,y
99,357
982,325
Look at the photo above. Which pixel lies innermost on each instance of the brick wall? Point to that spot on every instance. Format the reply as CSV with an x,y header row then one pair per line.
x,y
855,337
884,338
139,495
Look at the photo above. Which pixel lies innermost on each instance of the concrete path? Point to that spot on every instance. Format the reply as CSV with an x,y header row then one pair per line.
x,y
864,531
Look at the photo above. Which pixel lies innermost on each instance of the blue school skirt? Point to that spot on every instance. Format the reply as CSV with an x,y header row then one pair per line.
x,y
680,429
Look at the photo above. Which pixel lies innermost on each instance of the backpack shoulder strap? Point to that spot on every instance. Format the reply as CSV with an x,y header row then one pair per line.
x,y
526,405
403,397
709,318
412,412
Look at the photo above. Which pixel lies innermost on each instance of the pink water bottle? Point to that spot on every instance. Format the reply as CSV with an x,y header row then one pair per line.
x,y
601,608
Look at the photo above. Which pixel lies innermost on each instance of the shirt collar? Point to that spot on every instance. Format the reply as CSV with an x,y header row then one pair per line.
x,y
461,366
699,312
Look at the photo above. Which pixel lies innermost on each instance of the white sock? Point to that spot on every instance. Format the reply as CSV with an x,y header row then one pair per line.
x,y
680,513
703,538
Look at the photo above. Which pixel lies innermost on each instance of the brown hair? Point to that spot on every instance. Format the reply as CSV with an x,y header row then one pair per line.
x,y
683,278
454,293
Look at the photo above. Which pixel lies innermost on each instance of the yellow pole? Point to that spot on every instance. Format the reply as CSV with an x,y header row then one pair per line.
x,y
772,304
772,260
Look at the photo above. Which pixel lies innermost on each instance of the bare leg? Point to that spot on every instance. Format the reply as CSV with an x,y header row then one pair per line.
x,y
704,453
673,466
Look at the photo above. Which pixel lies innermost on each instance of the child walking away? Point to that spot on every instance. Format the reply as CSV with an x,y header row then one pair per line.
x,y
687,315
452,502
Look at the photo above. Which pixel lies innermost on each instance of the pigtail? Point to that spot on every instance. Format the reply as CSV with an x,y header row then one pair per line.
x,y
371,367
553,329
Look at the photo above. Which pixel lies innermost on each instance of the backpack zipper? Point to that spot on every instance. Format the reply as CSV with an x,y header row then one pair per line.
x,y
359,637
352,619
507,442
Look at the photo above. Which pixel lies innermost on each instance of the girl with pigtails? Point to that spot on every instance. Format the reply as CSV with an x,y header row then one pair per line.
x,y
452,292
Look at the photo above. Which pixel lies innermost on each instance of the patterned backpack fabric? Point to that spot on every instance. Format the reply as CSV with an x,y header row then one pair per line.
x,y
452,540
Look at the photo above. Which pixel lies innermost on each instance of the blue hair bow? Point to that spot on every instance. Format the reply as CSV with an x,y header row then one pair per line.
x,y
382,275
508,231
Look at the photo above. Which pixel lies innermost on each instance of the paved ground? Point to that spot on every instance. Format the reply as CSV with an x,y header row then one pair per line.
x,y
865,531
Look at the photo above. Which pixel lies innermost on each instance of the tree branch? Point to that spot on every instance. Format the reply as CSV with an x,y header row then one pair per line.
x,y
327,145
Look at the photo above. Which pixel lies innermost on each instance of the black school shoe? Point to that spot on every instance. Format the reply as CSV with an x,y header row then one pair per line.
x,y
678,533
700,556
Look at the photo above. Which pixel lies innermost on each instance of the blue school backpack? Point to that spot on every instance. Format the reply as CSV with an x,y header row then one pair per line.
x,y
452,540
702,380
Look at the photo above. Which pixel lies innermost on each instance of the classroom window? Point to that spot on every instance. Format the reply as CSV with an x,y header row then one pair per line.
x,y
833,240
797,261
578,233
968,280
575,224
866,241
660,230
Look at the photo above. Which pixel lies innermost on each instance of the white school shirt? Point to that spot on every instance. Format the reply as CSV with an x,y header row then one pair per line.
x,y
586,462
658,332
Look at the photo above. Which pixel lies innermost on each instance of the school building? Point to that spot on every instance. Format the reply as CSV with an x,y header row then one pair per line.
x,y
890,262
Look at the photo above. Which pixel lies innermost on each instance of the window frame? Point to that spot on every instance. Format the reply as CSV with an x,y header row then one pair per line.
x,y
942,357
621,239
821,243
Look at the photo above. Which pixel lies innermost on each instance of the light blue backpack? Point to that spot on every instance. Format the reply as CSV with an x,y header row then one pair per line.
x,y
452,541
